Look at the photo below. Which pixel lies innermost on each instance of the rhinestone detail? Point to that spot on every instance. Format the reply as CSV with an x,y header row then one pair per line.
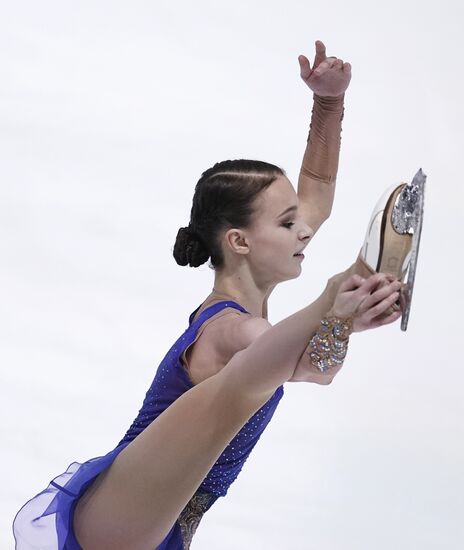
x,y
406,211
191,516
329,345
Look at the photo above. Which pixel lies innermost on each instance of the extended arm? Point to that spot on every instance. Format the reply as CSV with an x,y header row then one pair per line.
x,y
328,79
271,355
382,293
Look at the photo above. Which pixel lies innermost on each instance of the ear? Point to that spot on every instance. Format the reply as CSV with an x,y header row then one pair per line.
x,y
237,241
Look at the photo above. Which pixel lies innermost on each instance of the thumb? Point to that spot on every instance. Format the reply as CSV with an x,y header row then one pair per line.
x,y
305,66
352,283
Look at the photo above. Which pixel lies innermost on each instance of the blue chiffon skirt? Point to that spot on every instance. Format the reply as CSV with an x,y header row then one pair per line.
x,y
46,521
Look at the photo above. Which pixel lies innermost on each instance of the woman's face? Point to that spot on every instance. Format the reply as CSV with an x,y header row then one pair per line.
x,y
275,237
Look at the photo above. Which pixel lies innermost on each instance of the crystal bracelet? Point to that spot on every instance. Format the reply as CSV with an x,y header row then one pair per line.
x,y
329,344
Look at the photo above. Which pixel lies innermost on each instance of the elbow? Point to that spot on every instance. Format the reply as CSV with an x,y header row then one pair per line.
x,y
320,381
320,222
325,214
316,219
308,373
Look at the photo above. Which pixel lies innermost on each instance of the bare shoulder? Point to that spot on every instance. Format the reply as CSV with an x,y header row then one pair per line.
x,y
249,329
236,332
224,335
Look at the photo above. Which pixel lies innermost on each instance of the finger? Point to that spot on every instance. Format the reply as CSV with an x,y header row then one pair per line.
x,y
381,294
305,66
389,276
371,283
347,67
320,53
404,293
386,320
387,280
352,283
324,66
382,306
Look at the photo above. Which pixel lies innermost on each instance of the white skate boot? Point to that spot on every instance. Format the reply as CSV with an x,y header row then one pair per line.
x,y
393,235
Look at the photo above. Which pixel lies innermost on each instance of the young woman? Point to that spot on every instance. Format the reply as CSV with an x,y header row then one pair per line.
x,y
219,384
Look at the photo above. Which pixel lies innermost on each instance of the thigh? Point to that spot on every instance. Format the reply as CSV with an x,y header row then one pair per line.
x,y
135,503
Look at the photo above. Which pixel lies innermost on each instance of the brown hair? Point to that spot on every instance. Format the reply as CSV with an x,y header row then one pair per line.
x,y
223,199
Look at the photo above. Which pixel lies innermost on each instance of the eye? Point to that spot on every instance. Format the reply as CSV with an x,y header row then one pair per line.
x,y
288,224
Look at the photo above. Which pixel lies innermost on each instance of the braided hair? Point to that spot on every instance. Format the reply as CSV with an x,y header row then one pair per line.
x,y
224,198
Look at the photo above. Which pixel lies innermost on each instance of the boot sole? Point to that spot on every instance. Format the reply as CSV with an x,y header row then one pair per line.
x,y
395,248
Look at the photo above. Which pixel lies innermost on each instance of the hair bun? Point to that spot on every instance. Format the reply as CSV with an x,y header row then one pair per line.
x,y
224,198
189,231
189,248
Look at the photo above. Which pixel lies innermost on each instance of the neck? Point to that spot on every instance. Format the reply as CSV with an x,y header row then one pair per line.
x,y
254,304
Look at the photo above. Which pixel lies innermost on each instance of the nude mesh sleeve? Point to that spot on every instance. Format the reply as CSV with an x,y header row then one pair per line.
x,y
320,161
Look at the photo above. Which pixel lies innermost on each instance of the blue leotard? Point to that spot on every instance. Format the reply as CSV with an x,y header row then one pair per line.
x,y
45,521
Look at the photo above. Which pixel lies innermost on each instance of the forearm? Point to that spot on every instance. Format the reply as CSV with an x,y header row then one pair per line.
x,y
304,371
318,173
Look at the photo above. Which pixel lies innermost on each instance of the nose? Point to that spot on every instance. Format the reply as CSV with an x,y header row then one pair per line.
x,y
306,232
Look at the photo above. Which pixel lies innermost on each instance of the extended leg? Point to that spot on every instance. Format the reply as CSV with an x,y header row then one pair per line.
x,y
136,501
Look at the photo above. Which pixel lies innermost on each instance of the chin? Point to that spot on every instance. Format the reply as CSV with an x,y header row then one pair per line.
x,y
290,277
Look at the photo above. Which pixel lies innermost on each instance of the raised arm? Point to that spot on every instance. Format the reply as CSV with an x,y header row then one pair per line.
x,y
328,79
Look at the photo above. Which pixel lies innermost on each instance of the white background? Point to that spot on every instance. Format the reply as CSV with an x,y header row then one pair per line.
x,y
110,112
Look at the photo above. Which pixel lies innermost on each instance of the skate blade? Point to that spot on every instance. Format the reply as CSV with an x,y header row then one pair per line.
x,y
412,223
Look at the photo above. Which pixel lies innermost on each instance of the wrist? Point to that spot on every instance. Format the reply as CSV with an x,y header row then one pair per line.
x,y
340,325
333,285
328,346
329,102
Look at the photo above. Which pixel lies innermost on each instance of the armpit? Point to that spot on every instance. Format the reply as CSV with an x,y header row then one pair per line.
x,y
214,345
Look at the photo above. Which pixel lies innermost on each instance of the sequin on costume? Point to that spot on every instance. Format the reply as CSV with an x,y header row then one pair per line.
x,y
45,521
191,515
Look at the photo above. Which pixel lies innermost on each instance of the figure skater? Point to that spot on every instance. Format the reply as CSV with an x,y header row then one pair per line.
x,y
219,384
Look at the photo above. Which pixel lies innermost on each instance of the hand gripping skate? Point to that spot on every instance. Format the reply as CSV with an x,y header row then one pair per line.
x,y
393,236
